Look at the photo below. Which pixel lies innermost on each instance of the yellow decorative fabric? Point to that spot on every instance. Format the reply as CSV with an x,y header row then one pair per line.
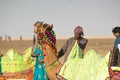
x,y
91,67
14,62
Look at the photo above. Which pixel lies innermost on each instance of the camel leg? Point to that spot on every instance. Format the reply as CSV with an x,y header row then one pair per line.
x,y
52,71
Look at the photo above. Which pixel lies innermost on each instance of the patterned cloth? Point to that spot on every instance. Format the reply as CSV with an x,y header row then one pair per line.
x,y
114,73
0,66
17,66
91,67
39,72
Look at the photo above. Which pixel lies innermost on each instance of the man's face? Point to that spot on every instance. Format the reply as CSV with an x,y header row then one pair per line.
x,y
77,36
116,34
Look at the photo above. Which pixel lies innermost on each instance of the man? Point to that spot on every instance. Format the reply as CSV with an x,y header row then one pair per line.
x,y
115,60
34,39
78,36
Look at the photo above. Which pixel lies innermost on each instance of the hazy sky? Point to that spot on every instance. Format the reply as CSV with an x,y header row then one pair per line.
x,y
97,17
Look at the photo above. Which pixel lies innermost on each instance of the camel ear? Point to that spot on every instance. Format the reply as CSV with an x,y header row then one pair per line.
x,y
51,25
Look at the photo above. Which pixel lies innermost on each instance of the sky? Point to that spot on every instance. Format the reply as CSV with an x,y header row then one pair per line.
x,y
97,17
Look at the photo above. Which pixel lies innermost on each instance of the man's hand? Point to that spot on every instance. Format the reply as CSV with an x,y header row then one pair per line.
x,y
41,61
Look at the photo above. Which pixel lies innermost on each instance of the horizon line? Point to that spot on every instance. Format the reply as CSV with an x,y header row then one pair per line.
x,y
88,37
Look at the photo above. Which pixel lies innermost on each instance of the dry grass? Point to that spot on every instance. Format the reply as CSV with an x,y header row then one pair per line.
x,y
102,46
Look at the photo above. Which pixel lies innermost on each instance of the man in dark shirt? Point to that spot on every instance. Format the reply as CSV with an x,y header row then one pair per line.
x,y
78,36
115,60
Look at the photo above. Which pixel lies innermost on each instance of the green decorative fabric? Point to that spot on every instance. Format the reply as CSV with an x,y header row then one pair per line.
x,y
14,62
91,67
76,52
29,61
114,68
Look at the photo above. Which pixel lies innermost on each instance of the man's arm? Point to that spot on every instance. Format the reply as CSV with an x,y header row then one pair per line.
x,y
63,49
83,43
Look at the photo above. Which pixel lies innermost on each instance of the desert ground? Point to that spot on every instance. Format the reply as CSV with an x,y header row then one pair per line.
x,y
102,46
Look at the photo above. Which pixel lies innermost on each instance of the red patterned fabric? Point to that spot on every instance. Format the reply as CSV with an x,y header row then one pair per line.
x,y
27,75
114,75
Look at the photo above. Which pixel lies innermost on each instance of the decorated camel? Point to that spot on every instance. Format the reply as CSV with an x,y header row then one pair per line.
x,y
46,34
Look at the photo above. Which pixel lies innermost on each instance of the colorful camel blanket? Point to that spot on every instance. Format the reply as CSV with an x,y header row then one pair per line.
x,y
91,67
17,65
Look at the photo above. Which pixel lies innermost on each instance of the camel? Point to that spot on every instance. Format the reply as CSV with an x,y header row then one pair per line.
x,y
46,34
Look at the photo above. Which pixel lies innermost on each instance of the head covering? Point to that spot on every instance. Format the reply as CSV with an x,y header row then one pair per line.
x,y
78,30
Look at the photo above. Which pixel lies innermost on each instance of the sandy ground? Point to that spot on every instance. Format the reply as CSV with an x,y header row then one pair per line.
x,y
102,46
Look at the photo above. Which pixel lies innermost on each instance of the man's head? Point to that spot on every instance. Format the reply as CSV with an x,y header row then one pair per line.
x,y
116,31
78,32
